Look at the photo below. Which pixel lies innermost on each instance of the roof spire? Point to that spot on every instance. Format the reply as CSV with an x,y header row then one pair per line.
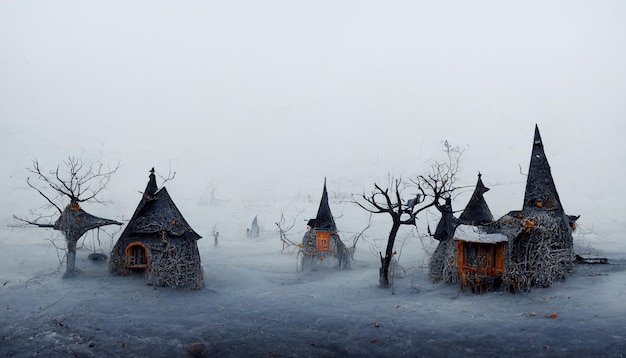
x,y
324,219
537,140
540,189
151,188
477,211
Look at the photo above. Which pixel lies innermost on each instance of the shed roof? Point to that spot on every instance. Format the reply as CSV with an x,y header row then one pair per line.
x,y
471,233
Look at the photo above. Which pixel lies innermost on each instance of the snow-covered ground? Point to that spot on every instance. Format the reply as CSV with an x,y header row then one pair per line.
x,y
256,304
258,102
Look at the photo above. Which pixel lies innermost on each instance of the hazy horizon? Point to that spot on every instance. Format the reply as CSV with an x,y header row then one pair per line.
x,y
278,95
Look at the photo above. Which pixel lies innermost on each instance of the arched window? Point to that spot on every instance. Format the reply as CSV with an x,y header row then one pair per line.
x,y
136,255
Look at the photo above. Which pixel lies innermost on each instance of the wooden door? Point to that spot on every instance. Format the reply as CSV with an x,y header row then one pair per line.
x,y
323,240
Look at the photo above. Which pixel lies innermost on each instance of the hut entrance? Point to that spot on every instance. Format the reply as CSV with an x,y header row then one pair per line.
x,y
482,258
136,256
323,240
481,264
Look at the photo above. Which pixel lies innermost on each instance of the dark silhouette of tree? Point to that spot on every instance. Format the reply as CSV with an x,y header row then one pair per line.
x,y
79,182
433,188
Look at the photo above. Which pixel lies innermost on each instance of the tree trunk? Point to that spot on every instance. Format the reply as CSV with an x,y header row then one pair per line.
x,y
70,266
385,261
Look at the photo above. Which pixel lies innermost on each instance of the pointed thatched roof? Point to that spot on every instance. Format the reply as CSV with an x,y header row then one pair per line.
x,y
477,211
540,189
324,219
157,213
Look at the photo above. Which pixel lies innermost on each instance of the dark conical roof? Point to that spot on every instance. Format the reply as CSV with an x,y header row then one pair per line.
x,y
148,193
540,189
477,211
157,213
324,219
151,188
447,224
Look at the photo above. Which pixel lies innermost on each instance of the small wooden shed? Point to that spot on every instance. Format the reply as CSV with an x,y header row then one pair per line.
x,y
481,257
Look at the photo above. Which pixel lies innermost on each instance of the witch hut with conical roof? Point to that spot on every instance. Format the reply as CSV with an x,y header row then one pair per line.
x,y
481,254
525,248
321,245
540,235
466,252
159,243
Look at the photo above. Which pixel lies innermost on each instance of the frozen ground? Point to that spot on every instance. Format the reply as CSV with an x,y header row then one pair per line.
x,y
258,102
256,304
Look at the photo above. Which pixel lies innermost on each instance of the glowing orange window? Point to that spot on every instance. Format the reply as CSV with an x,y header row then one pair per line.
x,y
137,255
323,240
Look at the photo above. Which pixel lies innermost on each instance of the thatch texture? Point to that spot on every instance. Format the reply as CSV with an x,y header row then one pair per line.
x,y
440,261
75,222
443,265
477,211
540,251
324,220
321,244
165,238
540,246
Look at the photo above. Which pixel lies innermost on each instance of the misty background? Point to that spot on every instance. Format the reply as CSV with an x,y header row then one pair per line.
x,y
265,99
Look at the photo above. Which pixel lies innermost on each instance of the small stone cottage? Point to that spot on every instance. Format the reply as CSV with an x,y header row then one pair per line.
x,y
159,243
321,245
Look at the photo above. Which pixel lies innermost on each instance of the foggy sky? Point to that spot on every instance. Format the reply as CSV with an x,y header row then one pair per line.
x,y
286,93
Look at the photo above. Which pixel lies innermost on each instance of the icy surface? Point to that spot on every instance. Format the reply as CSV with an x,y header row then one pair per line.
x,y
255,303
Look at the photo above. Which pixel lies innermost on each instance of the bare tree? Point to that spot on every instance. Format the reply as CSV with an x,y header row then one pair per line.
x,y
284,229
432,188
79,182
356,237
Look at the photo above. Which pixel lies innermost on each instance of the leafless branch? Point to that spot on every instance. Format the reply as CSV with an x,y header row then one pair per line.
x,y
170,175
29,222
283,231
521,171
432,187
356,238
44,195
76,181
